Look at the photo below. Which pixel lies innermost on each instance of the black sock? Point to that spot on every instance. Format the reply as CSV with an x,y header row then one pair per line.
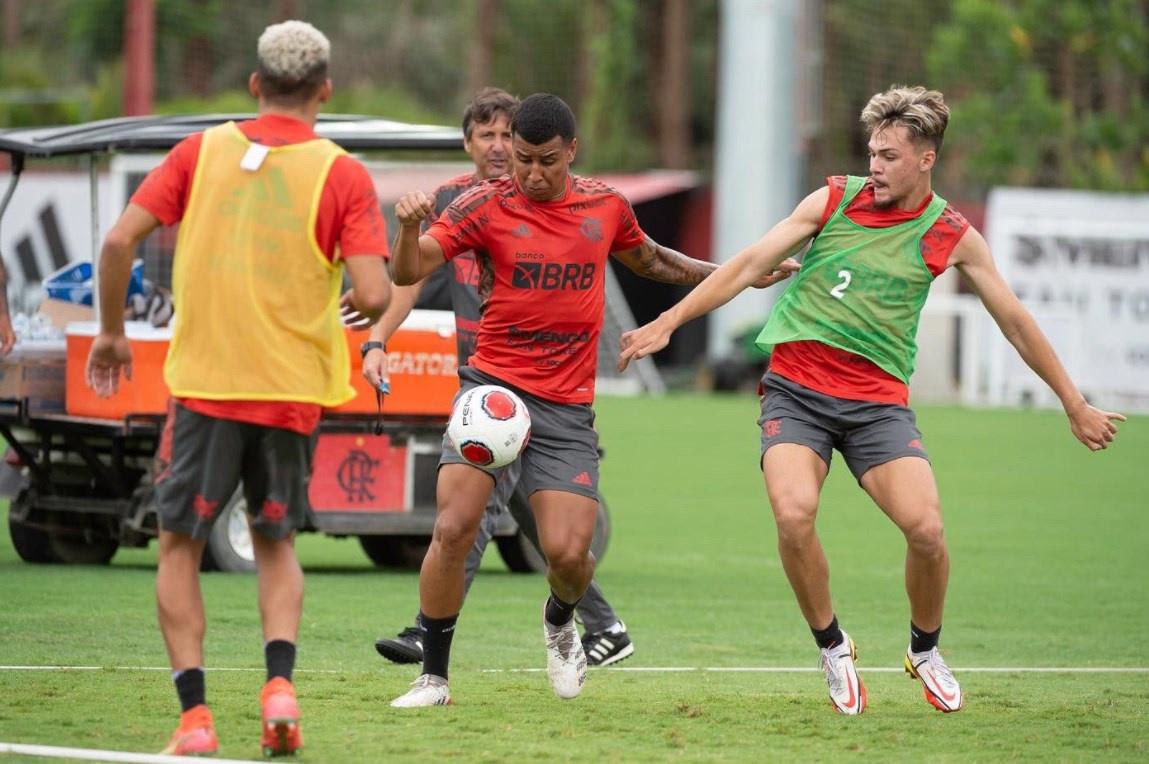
x,y
437,635
190,687
280,657
922,641
559,613
829,636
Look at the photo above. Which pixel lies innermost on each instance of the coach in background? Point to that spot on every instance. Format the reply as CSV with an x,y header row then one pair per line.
x,y
843,352
271,217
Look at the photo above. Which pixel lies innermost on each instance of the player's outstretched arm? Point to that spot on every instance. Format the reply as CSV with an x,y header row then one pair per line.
x,y
414,256
751,265
1093,427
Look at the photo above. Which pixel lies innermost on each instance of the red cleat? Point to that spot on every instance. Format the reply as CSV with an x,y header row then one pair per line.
x,y
281,734
195,736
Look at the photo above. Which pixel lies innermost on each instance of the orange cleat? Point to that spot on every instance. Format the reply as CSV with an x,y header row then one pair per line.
x,y
281,734
195,736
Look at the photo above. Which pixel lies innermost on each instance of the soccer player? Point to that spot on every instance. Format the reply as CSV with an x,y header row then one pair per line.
x,y
271,217
487,139
843,352
540,237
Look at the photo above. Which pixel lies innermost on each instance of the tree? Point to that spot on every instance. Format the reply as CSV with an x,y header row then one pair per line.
x,y
1048,92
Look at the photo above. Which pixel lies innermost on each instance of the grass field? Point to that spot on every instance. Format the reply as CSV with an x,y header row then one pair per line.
x,y
1050,549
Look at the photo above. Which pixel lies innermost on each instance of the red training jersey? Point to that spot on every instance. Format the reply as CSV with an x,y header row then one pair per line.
x,y
349,224
541,278
848,375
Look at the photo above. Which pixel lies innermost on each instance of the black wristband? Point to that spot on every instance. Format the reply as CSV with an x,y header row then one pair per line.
x,y
369,346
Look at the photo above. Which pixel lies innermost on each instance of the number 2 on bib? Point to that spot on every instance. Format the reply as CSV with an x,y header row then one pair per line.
x,y
839,290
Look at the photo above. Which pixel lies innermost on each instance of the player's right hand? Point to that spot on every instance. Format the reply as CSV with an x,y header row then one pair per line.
x,y
375,368
643,341
413,208
110,355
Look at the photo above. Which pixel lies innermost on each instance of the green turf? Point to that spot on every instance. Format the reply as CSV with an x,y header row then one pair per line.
x,y
1050,568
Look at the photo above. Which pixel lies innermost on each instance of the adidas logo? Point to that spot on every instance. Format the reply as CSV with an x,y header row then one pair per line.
x,y
582,479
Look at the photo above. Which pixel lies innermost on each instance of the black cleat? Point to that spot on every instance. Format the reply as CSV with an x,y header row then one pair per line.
x,y
405,647
603,648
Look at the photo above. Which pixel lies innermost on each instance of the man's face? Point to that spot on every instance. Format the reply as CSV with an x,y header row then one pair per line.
x,y
489,146
898,165
542,170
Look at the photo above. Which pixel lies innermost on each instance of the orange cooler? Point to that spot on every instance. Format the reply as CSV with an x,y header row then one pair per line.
x,y
144,393
421,356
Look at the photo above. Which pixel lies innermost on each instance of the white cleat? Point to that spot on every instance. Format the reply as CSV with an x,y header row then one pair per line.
x,y
847,693
427,690
941,689
566,660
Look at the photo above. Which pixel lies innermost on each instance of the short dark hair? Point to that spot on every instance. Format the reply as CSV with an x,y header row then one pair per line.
x,y
289,89
542,116
487,104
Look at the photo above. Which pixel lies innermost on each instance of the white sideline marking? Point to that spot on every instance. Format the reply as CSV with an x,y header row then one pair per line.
x,y
861,669
153,668
94,754
668,669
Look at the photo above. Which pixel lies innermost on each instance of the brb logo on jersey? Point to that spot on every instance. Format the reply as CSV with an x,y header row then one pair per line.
x,y
553,276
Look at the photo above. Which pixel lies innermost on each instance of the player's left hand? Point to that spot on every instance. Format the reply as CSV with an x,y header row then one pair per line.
x,y
350,315
784,270
643,341
1093,427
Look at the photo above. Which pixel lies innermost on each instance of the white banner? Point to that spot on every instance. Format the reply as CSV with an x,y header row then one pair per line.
x,y
1080,262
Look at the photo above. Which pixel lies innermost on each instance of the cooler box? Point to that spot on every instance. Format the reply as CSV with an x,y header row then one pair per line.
x,y
423,365
144,393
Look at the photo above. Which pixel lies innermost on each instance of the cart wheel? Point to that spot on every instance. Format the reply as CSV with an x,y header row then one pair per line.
x,y
229,548
32,544
405,552
521,556
76,549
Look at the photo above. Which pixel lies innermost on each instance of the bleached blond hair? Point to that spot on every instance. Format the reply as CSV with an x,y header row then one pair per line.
x,y
922,112
293,58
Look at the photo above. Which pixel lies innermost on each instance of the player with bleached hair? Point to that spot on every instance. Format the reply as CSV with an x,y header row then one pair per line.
x,y
842,341
271,217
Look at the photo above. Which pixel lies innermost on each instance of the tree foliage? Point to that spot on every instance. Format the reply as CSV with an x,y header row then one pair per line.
x,y
1047,92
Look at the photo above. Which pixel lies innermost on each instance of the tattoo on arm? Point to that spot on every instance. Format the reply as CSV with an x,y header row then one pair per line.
x,y
658,263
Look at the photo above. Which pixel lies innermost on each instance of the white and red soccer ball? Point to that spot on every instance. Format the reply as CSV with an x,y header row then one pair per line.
x,y
489,426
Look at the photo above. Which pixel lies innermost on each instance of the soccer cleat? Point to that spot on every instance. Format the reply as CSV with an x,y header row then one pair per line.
x,y
427,690
847,693
195,736
605,647
941,689
566,661
281,735
404,647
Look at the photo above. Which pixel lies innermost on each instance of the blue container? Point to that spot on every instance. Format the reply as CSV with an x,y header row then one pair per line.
x,y
73,282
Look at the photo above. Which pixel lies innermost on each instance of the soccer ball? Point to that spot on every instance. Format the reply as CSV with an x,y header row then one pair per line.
x,y
489,426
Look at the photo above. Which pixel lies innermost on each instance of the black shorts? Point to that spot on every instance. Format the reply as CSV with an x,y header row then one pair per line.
x,y
866,434
561,455
201,460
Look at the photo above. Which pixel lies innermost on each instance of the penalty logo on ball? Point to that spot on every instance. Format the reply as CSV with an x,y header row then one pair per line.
x,y
489,426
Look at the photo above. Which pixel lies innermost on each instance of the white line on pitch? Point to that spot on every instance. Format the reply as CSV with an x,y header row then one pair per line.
x,y
861,669
665,669
94,754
